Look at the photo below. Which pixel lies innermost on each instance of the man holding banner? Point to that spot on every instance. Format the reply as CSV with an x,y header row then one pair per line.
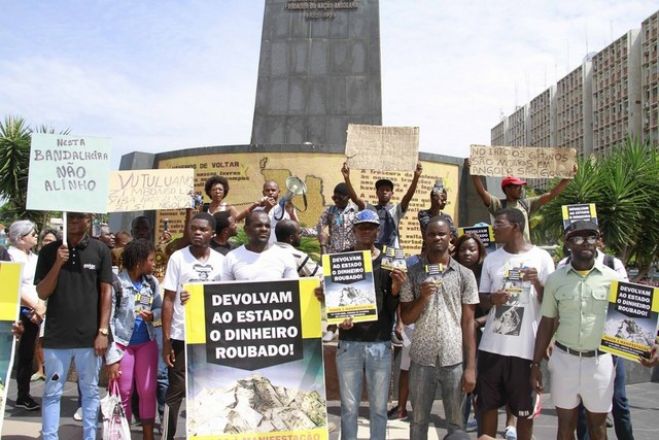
x,y
76,279
258,259
513,188
194,263
390,215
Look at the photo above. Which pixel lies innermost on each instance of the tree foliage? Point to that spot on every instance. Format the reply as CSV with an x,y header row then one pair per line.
x,y
624,185
15,139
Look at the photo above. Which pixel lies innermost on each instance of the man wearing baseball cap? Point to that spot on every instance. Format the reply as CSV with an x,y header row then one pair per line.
x,y
577,296
513,188
365,348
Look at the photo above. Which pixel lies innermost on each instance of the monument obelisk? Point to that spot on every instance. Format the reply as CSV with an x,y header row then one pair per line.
x,y
319,70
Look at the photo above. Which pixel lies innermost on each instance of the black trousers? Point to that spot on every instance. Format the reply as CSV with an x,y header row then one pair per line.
x,y
25,357
175,392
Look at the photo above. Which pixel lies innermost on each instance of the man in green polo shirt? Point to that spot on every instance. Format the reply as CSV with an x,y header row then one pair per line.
x,y
577,296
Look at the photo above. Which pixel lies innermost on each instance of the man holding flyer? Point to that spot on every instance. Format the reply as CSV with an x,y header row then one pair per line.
x,y
366,346
440,296
577,296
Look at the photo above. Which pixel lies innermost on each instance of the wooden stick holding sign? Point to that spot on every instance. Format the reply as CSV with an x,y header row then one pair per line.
x,y
64,227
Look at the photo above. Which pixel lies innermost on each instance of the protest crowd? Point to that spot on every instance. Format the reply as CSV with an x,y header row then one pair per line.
x,y
476,320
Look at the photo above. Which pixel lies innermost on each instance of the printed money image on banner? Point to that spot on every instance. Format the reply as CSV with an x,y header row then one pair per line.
x,y
10,280
254,361
349,287
631,320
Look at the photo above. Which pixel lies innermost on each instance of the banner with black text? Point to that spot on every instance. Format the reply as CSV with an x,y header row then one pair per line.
x,y
254,361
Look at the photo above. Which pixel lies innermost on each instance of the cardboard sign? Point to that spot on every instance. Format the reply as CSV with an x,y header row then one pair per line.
x,y
374,147
254,361
578,213
522,161
630,330
138,190
68,173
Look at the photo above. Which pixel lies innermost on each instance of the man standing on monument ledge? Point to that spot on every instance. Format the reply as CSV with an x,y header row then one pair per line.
x,y
389,214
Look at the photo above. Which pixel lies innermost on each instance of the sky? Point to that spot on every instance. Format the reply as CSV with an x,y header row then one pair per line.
x,y
165,75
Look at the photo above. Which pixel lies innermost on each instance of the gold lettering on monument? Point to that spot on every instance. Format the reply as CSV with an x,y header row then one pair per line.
x,y
320,9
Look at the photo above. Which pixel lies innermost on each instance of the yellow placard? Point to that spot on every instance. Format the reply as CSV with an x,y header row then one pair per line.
x,y
10,280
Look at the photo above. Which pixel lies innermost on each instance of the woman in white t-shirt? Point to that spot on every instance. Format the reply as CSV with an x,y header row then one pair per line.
x,y
23,238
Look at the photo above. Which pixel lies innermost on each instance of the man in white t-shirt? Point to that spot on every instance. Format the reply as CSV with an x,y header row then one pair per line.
x,y
512,281
194,263
258,259
289,238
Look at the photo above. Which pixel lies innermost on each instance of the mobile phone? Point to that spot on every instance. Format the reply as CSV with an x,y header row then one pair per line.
x,y
165,226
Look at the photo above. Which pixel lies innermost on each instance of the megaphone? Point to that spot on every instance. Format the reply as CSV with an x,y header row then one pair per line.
x,y
294,187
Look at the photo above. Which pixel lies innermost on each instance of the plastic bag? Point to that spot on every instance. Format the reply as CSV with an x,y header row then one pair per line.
x,y
115,424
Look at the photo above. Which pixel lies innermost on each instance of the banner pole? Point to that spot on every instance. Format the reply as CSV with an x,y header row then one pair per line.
x,y
64,228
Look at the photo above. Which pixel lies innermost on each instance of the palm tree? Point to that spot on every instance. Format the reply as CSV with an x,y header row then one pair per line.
x,y
625,187
15,138
14,163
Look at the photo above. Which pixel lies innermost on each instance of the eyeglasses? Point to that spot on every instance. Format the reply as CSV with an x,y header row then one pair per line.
x,y
579,240
30,234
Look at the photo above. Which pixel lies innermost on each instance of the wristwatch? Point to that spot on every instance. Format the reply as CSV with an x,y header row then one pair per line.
x,y
103,331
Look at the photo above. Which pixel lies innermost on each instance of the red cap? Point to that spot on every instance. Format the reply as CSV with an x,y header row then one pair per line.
x,y
511,180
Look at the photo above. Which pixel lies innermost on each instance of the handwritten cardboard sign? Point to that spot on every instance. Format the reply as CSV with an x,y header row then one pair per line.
x,y
523,161
139,190
68,173
374,147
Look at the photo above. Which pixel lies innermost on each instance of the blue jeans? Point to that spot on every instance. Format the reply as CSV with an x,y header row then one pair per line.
x,y
352,358
622,421
57,362
423,385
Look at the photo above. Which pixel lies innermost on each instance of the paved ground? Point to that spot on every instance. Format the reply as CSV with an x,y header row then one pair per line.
x,y
644,399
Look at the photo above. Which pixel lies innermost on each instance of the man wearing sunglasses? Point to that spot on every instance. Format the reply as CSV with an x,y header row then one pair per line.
x,y
577,296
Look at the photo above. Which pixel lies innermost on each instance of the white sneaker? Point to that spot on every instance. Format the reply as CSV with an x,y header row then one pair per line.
x,y
328,336
510,433
78,415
